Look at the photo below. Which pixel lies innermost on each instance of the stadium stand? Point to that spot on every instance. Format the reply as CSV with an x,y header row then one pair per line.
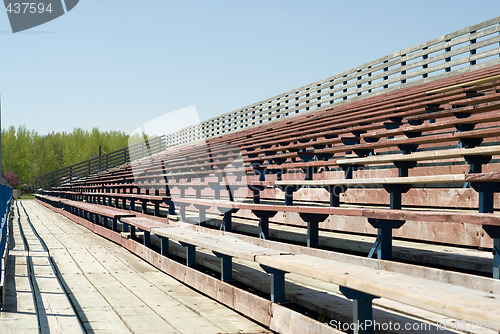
x,y
417,164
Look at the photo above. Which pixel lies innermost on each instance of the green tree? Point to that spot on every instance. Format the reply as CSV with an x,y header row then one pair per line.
x,y
29,154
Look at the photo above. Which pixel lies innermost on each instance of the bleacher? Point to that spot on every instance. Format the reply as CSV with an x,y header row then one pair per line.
x,y
385,199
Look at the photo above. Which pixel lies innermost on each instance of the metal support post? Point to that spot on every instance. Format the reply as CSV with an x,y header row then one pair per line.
x,y
190,253
147,238
264,221
494,233
362,310
335,192
383,244
313,220
277,283
164,246
226,269
395,191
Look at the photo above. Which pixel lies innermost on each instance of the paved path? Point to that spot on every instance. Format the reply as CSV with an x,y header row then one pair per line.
x,y
64,278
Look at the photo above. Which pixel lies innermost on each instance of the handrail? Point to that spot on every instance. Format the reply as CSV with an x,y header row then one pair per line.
x,y
6,200
102,163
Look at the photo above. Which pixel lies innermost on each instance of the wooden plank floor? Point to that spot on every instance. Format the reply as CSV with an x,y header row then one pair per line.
x,y
110,289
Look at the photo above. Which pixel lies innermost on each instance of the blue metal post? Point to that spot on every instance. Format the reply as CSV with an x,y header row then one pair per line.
x,y
277,284
494,233
362,309
256,196
157,209
496,258
264,221
485,201
313,221
226,263
190,254
171,208
289,190
312,234
164,246
227,220
383,245
147,238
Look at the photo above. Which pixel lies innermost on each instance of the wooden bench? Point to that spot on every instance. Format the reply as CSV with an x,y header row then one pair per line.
x,y
130,224
384,220
357,282
396,186
91,212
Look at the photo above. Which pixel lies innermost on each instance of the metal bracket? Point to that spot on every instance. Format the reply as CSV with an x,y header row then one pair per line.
x,y
403,167
264,221
470,142
256,189
313,220
226,266
486,192
383,244
494,233
395,191
277,283
289,190
362,309
348,169
476,162
190,253
335,192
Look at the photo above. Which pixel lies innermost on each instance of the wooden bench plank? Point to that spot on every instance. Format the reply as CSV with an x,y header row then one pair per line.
x,y
223,244
422,156
464,85
143,223
446,299
379,213
426,179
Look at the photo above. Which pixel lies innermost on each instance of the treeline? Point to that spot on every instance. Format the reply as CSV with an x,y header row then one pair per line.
x,y
29,154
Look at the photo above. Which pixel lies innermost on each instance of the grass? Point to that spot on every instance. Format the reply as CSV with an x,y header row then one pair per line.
x,y
27,196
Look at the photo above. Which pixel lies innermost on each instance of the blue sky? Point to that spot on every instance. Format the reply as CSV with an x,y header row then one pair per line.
x,y
116,64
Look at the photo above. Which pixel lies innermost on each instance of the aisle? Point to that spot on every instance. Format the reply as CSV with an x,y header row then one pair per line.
x,y
111,290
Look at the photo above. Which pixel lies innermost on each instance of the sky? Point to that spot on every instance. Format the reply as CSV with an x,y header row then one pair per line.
x,y
117,64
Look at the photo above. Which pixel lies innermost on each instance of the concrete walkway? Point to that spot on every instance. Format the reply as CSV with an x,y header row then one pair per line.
x,y
64,278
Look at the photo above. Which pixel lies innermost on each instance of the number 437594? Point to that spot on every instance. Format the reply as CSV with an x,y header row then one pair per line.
x,y
28,7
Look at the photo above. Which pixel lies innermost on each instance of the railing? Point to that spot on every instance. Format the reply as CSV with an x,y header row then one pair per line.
x,y
102,163
462,51
5,206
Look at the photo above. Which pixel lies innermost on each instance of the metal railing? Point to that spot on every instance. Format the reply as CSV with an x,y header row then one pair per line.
x,y
465,50
5,207
102,163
